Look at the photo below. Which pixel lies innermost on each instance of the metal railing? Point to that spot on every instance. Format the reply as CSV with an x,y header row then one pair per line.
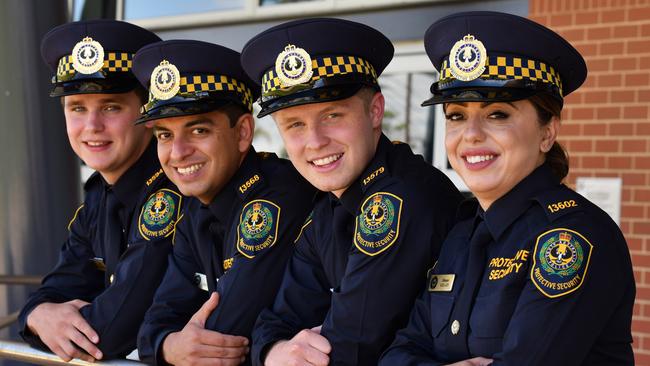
x,y
22,352
19,280
6,321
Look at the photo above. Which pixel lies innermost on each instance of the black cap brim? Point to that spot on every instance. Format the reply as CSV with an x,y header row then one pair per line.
x,y
179,107
489,90
318,95
114,85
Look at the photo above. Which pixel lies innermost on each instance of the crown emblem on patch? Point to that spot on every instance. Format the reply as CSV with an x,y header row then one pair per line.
x,y
165,81
87,56
467,58
565,237
293,66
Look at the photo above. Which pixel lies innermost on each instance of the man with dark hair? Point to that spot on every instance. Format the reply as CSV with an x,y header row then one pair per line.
x,y
245,210
91,305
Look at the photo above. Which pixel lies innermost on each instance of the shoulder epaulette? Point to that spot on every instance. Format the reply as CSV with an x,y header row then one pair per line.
x,y
559,202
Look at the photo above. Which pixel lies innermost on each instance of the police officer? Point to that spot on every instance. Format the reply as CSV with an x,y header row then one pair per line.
x,y
91,305
246,210
535,274
362,255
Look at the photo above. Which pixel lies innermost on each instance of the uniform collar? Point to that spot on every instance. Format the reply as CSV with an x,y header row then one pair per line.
x,y
128,187
236,189
505,210
375,171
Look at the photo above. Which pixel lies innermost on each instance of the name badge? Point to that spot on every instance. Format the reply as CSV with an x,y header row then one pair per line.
x,y
201,281
441,282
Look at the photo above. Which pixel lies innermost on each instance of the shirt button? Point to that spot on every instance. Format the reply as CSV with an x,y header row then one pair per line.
x,y
455,327
110,279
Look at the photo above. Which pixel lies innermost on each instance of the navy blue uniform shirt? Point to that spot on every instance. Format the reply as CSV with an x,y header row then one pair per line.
x,y
115,255
237,245
361,260
557,286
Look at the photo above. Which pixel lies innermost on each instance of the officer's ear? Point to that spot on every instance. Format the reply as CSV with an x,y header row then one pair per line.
x,y
549,134
245,128
376,109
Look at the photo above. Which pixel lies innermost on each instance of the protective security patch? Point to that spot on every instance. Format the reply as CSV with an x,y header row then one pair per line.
x,y
377,227
560,262
258,227
160,214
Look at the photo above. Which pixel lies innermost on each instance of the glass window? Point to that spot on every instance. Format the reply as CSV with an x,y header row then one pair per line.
x,y
142,9
404,119
405,83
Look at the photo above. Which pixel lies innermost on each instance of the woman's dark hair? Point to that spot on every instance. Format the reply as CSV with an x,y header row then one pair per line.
x,y
548,107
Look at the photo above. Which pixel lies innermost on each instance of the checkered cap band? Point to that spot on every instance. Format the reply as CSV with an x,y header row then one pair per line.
x,y
113,62
505,67
323,67
194,83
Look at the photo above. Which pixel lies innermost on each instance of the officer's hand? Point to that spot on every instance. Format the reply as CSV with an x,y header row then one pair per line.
x,y
64,331
306,348
478,361
195,345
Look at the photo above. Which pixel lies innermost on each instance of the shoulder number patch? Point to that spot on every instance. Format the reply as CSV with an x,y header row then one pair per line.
x,y
258,227
560,262
377,226
160,214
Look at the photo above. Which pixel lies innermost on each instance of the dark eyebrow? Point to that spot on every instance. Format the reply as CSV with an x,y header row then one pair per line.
x,y
157,128
483,104
187,124
199,121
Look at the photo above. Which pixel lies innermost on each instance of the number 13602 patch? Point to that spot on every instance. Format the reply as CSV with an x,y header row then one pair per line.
x,y
377,227
258,227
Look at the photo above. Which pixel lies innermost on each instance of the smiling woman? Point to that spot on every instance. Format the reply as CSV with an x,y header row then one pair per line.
x,y
529,254
493,146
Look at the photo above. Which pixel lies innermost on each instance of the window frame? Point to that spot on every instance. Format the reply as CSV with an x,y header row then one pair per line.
x,y
411,57
253,12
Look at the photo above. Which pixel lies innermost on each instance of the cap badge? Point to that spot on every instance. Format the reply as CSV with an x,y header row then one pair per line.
x,y
293,66
467,58
165,81
87,56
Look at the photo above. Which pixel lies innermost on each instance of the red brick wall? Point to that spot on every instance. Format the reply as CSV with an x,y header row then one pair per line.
x,y
606,123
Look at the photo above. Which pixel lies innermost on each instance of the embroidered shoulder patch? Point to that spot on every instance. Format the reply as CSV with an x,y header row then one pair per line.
x,y
308,221
560,262
160,214
258,227
377,226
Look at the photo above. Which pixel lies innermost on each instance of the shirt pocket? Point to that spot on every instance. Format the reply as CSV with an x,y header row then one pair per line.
x,y
491,314
440,311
